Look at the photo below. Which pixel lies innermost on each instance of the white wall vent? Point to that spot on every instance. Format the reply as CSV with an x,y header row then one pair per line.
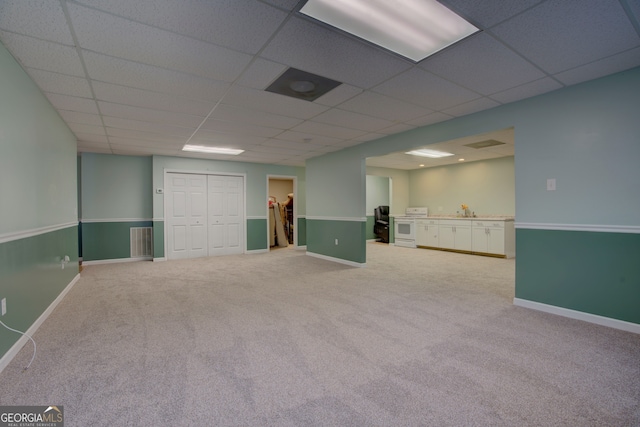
x,y
141,242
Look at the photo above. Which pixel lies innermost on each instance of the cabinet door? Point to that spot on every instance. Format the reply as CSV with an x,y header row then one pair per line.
x,y
495,241
462,238
446,236
479,239
421,233
432,236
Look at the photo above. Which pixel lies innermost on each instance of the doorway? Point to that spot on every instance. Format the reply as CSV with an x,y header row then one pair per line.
x,y
205,215
281,211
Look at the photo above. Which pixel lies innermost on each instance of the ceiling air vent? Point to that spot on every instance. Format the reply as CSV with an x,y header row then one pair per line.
x,y
302,85
484,144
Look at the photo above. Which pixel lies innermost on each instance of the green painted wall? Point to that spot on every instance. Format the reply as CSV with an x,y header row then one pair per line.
x,y
321,235
302,231
31,277
158,239
108,240
593,272
256,234
399,187
38,194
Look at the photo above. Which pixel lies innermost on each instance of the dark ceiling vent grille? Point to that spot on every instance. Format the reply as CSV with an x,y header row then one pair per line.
x,y
484,144
302,85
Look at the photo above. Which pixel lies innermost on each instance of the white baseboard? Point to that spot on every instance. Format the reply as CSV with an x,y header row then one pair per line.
x,y
116,260
301,248
338,260
257,251
160,259
13,351
579,315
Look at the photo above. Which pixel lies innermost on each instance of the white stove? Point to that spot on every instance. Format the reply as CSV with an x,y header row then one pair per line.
x,y
405,226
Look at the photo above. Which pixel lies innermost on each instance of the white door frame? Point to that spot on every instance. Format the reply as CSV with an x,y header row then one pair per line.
x,y
202,172
295,206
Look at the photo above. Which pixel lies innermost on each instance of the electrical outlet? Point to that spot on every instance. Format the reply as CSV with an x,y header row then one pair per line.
x,y
4,306
336,242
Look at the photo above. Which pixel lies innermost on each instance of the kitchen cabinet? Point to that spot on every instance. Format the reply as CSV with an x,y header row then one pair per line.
x,y
455,234
427,233
488,237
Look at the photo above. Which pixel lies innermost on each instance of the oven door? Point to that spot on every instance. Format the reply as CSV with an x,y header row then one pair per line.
x,y
405,232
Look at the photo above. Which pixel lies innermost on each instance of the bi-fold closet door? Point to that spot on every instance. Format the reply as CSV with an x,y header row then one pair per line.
x,y
204,215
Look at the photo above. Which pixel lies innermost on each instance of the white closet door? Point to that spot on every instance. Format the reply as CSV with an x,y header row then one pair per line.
x,y
186,216
226,214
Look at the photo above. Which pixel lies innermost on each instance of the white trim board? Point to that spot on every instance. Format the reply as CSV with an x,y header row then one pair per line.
x,y
631,229
579,315
9,237
15,348
89,221
338,260
337,218
116,260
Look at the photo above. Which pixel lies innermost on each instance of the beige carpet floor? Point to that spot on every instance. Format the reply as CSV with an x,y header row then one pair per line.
x,y
417,337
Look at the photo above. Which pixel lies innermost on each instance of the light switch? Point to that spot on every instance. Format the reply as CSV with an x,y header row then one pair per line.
x,y
551,184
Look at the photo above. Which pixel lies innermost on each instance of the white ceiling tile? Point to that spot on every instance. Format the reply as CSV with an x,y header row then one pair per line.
x,y
331,131
145,143
60,83
349,119
72,103
313,48
526,90
134,150
239,128
149,115
397,128
38,18
141,76
44,55
338,95
94,149
152,128
612,64
488,12
209,137
471,107
430,119
83,118
89,138
482,63
79,128
311,138
144,98
107,34
243,25
261,73
272,103
375,104
423,88
145,136
559,34
243,115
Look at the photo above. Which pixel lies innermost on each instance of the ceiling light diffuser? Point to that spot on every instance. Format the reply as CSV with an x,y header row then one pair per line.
x,y
434,154
414,29
211,150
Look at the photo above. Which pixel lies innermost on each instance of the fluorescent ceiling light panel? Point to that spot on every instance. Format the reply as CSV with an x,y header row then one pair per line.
x,y
414,29
434,154
211,150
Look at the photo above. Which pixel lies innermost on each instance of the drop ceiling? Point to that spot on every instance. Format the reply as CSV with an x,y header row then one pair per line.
x,y
144,77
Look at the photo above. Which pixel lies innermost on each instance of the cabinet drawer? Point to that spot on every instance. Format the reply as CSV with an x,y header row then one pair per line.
x,y
455,222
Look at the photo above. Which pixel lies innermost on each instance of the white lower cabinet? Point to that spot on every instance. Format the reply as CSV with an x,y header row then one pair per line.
x,y
455,234
492,237
427,233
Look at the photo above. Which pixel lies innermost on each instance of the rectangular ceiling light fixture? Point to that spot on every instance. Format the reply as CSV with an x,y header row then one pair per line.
x,y
434,154
414,29
211,150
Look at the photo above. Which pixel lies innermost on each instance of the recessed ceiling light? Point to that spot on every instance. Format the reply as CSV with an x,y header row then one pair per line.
x,y
461,160
416,30
211,150
434,154
421,166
